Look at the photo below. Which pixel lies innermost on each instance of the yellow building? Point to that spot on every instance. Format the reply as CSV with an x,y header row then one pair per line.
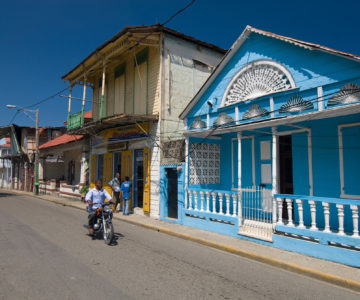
x,y
141,80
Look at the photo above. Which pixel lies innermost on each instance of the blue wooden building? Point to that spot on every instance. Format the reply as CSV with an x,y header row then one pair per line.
x,y
273,149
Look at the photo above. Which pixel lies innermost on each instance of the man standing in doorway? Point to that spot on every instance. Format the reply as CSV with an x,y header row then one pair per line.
x,y
125,194
115,185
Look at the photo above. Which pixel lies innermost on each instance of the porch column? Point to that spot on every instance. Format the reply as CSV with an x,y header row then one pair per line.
x,y
275,162
83,167
239,135
83,100
186,169
102,90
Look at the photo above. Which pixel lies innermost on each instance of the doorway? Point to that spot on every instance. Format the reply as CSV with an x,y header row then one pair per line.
x,y
286,170
139,178
172,192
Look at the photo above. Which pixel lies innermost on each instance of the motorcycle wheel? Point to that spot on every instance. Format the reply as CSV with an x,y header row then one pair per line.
x,y
109,233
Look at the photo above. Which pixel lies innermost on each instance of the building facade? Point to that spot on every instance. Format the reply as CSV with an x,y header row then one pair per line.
x,y
5,165
272,149
141,80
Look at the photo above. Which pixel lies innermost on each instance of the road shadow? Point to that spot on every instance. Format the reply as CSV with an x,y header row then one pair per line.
x,y
4,194
98,236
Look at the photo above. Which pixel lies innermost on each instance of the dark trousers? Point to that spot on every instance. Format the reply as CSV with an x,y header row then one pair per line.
x,y
92,218
117,199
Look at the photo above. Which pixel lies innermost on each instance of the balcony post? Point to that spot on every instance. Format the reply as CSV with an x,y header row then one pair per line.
x,y
69,108
213,195
239,135
299,203
340,208
275,162
83,101
355,216
207,201
313,214
326,207
102,90
186,169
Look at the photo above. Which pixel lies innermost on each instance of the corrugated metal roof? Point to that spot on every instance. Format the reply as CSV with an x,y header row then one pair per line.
x,y
63,139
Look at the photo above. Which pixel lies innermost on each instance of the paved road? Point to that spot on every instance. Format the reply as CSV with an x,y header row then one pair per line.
x,y
46,254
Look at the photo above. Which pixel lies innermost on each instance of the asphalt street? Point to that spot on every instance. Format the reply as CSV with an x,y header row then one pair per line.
x,y
45,253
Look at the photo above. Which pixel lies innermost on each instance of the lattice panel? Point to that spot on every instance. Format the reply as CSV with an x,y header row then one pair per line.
x,y
204,163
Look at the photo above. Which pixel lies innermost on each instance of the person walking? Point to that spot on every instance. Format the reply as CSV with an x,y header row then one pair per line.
x,y
115,185
125,194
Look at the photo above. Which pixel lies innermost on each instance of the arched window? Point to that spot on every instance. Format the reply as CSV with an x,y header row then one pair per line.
x,y
257,79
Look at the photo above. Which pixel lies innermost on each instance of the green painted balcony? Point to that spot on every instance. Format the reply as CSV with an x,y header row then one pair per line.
x,y
75,120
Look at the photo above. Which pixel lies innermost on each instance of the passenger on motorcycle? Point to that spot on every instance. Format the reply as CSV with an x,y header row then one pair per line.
x,y
94,198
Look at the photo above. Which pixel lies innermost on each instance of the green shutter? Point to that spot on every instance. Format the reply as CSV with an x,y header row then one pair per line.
x,y
141,56
119,70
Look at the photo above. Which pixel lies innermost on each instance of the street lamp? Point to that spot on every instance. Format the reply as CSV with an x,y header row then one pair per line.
x,y
18,108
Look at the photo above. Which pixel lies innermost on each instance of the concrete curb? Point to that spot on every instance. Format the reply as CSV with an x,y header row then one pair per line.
x,y
345,283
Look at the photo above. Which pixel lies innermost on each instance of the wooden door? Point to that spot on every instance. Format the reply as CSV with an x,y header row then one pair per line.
x,y
146,174
93,171
107,171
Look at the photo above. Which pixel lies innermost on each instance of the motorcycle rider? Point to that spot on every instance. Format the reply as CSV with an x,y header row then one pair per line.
x,y
94,198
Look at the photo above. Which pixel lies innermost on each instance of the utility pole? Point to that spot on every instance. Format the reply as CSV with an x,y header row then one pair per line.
x,y
36,186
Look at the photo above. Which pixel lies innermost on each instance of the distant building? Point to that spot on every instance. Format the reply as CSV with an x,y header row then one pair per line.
x,y
142,78
5,165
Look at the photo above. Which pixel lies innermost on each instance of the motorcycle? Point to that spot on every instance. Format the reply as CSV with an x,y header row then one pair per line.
x,y
103,222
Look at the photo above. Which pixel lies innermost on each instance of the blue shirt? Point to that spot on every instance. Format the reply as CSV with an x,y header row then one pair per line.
x,y
126,189
97,197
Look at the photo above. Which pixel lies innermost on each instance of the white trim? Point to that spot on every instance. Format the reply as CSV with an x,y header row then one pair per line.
x,y
239,159
341,160
252,158
320,98
237,114
311,181
250,65
272,113
275,161
208,120
186,166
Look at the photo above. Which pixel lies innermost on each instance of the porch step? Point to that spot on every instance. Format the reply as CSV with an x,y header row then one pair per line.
x,y
258,230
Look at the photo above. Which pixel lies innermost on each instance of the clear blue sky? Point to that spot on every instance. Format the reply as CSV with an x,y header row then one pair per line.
x,y
41,40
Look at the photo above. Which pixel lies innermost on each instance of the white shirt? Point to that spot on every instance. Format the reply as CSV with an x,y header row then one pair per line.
x,y
97,197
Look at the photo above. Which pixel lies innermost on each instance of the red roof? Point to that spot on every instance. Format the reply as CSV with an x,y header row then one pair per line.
x,y
63,139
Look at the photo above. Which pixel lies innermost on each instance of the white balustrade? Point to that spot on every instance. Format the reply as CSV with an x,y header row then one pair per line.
x,y
289,209
234,197
213,195
340,208
326,207
355,217
207,201
299,203
190,200
313,214
221,195
280,206
202,193
227,196
195,200
186,199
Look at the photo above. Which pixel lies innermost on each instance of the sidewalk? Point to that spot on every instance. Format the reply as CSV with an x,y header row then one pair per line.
x,y
331,272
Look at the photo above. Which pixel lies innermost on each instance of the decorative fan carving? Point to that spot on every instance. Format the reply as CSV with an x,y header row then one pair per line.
x,y
257,79
198,124
255,111
348,93
296,104
223,119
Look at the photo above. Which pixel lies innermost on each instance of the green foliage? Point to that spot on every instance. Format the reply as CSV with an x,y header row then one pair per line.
x,y
84,189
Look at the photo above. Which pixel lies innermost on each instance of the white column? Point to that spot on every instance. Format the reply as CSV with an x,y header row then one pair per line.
x,y
355,217
340,208
239,135
237,114
83,167
190,200
309,141
275,180
41,168
320,98
207,201
227,195
202,200
289,209
326,207
272,113
69,105
313,214
299,203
